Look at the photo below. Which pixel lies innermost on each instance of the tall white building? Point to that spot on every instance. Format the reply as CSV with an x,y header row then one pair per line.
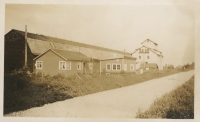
x,y
148,54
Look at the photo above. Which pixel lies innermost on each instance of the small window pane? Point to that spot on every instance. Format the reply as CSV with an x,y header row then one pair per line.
x,y
79,66
108,67
114,67
39,65
118,67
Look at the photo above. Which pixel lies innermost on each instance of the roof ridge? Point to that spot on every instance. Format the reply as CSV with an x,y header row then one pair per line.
x,y
49,37
149,40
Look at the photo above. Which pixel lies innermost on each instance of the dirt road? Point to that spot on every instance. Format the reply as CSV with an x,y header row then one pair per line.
x,y
118,103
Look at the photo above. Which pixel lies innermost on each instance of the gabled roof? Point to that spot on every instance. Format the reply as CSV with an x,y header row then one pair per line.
x,y
63,41
150,49
150,41
70,55
149,65
66,55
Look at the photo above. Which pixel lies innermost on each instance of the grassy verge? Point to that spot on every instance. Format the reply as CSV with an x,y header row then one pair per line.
x,y
26,91
178,104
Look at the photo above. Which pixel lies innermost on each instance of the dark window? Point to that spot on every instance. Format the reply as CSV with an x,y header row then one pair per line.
x,y
147,57
139,57
108,67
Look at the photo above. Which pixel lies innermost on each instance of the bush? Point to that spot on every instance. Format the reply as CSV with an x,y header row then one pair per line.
x,y
19,88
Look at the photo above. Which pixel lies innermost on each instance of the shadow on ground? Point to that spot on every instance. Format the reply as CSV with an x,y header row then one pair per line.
x,y
21,94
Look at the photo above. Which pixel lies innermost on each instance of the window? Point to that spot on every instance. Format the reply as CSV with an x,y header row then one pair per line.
x,y
108,67
90,65
63,65
139,57
131,67
39,64
147,57
116,67
68,65
79,65
125,67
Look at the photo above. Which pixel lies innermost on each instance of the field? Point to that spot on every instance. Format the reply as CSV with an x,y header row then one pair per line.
x,y
22,91
178,104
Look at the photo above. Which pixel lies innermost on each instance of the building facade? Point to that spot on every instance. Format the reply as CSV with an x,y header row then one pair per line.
x,y
55,61
14,53
117,65
148,53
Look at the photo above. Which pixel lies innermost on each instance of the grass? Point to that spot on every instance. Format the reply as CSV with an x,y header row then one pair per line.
x,y
178,104
23,91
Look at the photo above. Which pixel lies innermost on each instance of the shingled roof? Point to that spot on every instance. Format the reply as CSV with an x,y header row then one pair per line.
x,y
66,55
63,41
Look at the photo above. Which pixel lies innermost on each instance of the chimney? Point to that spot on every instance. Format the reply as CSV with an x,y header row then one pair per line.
x,y
25,52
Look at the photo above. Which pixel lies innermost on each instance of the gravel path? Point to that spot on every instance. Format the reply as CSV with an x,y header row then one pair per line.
x,y
118,103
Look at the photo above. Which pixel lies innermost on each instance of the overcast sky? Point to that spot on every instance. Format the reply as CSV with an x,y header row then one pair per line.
x,y
113,25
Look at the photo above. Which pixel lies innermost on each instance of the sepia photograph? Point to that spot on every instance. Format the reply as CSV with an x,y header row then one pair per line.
x,y
108,59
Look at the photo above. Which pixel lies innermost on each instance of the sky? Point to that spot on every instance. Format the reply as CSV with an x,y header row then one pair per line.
x,y
115,25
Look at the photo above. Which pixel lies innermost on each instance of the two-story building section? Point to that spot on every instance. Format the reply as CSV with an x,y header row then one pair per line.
x,y
148,54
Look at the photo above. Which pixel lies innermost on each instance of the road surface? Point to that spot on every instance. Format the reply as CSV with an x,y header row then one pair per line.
x,y
118,103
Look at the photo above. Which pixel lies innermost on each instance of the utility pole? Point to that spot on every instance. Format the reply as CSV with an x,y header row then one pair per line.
x,y
25,52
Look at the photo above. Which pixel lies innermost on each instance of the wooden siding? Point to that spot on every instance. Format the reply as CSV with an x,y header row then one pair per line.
x,y
118,61
112,61
129,62
51,65
13,51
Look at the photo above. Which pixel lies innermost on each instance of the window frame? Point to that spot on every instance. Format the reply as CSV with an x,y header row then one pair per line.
x,y
70,66
41,64
120,67
59,65
66,62
80,66
110,67
116,67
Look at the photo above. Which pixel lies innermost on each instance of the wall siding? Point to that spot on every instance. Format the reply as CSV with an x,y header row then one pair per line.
x,y
13,51
51,65
121,62
128,62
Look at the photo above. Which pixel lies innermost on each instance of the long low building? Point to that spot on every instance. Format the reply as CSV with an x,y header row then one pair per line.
x,y
37,44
